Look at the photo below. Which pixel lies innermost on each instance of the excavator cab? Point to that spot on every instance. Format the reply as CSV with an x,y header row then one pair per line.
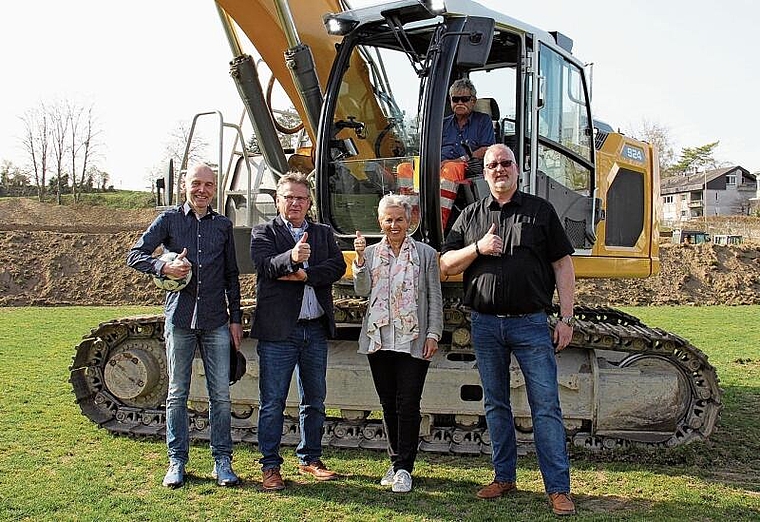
x,y
388,93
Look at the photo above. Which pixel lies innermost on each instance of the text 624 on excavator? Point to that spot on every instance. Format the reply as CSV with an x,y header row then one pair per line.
x,y
371,86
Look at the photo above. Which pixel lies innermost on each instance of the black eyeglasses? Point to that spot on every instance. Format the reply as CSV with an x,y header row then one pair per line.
x,y
504,163
295,199
461,99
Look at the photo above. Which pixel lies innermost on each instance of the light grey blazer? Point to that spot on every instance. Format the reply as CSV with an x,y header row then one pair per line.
x,y
429,300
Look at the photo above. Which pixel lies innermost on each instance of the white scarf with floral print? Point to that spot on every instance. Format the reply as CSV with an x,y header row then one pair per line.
x,y
394,293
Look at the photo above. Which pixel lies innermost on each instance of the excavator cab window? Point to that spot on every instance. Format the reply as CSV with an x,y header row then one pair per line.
x,y
389,92
498,94
565,148
375,149
389,107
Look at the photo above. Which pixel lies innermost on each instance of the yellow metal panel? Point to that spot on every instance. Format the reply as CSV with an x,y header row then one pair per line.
x,y
259,21
640,260
615,267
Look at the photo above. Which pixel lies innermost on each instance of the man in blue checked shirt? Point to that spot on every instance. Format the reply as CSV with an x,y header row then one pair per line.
x,y
196,316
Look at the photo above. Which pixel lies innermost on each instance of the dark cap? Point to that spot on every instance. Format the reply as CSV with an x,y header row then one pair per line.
x,y
237,364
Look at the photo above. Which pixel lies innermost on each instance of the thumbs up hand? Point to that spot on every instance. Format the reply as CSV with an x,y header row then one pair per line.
x,y
181,257
302,250
179,267
359,245
491,243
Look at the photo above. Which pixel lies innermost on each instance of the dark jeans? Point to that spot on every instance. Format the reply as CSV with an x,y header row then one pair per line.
x,y
496,339
305,351
399,379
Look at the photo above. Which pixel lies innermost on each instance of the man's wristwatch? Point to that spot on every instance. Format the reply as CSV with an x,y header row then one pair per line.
x,y
569,320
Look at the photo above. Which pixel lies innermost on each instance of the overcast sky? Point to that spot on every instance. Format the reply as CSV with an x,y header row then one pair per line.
x,y
147,65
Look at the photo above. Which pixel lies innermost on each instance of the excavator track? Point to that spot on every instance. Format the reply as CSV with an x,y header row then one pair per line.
x,y
602,328
119,379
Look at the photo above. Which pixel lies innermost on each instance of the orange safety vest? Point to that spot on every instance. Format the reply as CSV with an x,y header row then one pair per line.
x,y
405,178
452,175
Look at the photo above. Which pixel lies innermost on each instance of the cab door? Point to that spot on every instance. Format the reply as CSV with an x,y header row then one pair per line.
x,y
559,166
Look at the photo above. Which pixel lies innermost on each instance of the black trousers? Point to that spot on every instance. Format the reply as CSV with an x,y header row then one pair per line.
x,y
399,379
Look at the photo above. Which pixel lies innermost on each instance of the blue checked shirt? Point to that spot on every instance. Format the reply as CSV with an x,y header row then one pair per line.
x,y
215,287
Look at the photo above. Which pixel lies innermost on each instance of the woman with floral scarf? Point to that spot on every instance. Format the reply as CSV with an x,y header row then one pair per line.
x,y
401,328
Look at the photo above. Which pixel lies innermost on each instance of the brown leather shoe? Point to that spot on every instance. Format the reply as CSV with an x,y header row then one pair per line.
x,y
496,489
272,480
562,504
318,470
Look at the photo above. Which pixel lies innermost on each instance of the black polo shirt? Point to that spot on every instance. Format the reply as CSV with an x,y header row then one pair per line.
x,y
520,280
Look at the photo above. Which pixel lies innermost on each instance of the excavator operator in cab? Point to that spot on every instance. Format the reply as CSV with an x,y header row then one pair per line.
x,y
466,136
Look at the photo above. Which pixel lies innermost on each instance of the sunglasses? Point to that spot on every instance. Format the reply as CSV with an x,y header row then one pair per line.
x,y
461,99
504,163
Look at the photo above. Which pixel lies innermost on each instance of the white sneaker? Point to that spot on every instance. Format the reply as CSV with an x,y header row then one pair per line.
x,y
387,479
402,482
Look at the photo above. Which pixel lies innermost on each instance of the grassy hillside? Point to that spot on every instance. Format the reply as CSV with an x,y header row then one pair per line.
x,y
119,199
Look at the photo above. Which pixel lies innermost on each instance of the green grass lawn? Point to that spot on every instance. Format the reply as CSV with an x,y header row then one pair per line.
x,y
56,465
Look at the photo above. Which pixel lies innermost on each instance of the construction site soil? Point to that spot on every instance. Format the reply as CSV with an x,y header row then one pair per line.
x,y
64,255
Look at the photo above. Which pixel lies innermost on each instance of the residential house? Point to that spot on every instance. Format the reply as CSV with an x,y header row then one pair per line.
x,y
754,202
720,192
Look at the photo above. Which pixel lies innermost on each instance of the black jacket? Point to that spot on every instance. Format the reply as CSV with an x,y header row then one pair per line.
x,y
278,303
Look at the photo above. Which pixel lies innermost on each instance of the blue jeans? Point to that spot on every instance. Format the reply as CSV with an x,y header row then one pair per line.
x,y
527,337
215,351
304,351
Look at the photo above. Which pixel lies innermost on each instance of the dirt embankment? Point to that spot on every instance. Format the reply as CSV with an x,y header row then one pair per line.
x,y
64,255
52,255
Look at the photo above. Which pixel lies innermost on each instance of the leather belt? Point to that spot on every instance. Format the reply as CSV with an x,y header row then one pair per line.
x,y
506,316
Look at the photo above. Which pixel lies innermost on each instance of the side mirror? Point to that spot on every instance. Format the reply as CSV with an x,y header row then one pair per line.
x,y
475,44
167,184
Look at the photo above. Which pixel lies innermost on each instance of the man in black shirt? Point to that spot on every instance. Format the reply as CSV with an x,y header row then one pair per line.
x,y
513,251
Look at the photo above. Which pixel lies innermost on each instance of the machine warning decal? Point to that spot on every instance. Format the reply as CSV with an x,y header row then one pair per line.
x,y
633,153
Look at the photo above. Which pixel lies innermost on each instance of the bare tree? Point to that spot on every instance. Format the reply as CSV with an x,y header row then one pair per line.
x,y
35,141
59,118
75,123
177,144
60,136
83,135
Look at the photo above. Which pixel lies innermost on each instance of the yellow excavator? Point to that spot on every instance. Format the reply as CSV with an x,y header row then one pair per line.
x,y
370,86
